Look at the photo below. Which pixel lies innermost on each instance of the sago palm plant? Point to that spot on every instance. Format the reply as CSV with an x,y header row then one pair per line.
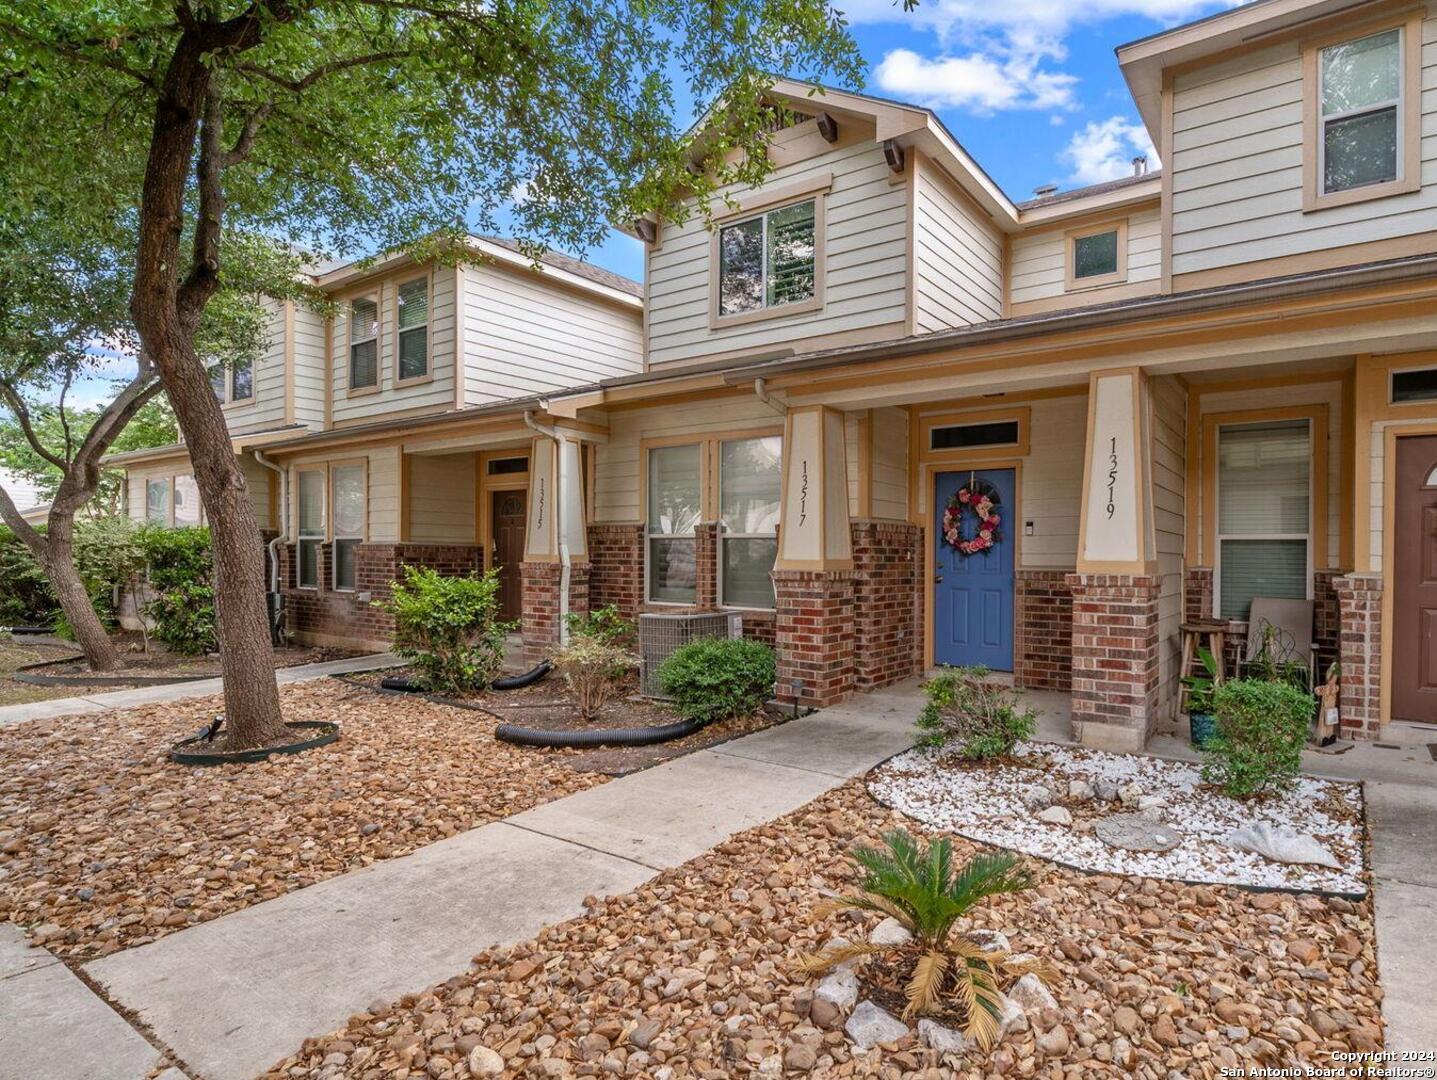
x,y
920,887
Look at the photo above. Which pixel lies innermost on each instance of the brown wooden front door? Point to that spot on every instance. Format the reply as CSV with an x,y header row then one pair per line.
x,y
508,513
1414,614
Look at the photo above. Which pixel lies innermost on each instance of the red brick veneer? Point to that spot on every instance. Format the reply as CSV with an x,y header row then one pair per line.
x,y
1359,602
1043,653
616,567
814,635
887,622
539,623
1115,658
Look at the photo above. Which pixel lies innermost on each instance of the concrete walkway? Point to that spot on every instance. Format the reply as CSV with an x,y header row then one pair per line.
x,y
149,695
233,996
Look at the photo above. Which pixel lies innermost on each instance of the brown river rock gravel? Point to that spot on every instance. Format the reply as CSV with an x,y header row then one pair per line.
x,y
692,975
106,844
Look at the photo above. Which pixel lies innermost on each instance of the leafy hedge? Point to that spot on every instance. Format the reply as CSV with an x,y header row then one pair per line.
x,y
716,678
181,609
25,595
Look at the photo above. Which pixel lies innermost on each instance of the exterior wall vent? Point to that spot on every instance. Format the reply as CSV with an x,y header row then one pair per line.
x,y
660,635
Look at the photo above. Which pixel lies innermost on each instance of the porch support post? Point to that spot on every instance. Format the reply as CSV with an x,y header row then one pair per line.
x,y
813,575
1359,613
556,528
1116,586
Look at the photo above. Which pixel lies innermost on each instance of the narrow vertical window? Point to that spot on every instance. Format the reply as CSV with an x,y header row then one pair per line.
x,y
157,500
413,305
749,483
217,381
673,511
1264,521
187,501
1360,103
363,343
347,489
242,381
311,526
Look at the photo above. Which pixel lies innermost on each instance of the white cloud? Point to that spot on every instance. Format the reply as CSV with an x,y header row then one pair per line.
x,y
1104,150
978,82
1024,22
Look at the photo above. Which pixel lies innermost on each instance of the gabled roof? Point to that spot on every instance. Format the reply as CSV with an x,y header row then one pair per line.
x,y
1108,187
577,267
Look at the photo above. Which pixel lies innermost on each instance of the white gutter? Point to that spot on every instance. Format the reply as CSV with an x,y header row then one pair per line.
x,y
283,535
561,486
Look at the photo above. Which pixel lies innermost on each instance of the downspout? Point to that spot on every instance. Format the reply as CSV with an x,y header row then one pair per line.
x,y
283,535
560,488
760,389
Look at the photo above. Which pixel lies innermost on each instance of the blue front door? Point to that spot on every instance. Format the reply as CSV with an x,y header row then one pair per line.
x,y
973,594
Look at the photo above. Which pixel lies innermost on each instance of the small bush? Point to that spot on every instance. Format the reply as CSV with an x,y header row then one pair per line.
x,y
982,717
716,678
603,624
181,609
1261,729
448,628
25,596
594,670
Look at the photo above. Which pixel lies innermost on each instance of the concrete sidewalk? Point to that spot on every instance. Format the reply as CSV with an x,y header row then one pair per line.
x,y
149,695
233,996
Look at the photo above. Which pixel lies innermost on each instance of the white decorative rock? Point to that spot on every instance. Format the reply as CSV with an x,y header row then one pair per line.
x,y
869,1025
1011,1017
889,932
1105,790
1030,993
839,988
1129,794
1281,845
943,1039
990,940
1037,797
1056,815
1080,790
1151,802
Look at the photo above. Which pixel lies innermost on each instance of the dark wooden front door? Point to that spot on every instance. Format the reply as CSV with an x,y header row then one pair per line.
x,y
508,515
1414,615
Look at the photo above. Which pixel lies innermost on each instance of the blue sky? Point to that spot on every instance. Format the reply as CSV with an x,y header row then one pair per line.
x,y
1030,87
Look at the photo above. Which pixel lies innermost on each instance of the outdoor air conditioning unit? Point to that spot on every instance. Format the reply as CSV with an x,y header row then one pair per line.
x,y
660,635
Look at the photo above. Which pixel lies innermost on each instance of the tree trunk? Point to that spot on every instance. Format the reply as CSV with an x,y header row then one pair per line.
x,y
58,558
167,314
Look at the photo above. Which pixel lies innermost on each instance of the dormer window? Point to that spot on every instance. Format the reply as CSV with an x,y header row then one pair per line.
x,y
1097,255
769,261
363,343
413,320
1361,104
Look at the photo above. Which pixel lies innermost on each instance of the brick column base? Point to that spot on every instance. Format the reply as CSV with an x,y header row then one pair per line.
x,y
1043,650
616,568
539,621
814,635
1359,608
888,631
1115,659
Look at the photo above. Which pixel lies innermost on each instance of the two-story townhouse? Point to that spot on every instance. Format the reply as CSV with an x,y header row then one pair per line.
x,y
1179,392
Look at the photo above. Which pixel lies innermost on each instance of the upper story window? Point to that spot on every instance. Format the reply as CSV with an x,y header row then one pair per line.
x,y
1097,255
363,343
769,261
217,381
1363,136
1360,99
413,304
242,381
675,491
346,484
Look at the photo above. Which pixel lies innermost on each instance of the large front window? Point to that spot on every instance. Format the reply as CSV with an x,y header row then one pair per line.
x,y
768,261
1360,104
675,501
347,487
311,526
1264,521
749,483
363,343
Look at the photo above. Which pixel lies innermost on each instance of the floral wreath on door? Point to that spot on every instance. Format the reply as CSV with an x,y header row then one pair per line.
x,y
981,498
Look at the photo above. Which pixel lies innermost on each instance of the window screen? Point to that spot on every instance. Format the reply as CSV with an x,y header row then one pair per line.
x,y
414,328
363,343
768,261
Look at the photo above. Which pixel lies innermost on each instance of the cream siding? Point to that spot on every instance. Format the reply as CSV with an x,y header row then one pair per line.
x,y
1237,166
1040,261
958,256
309,364
435,394
266,409
1053,483
890,464
866,255
258,480
441,498
523,336
1168,455
618,462
381,496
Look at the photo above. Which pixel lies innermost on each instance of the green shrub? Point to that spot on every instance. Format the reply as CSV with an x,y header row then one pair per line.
x,y
716,678
967,708
448,628
1261,729
25,595
602,624
181,609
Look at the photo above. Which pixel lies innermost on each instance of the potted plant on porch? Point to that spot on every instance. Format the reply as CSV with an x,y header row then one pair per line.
x,y
1202,721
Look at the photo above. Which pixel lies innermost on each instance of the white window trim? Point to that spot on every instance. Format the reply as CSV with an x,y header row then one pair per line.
x,y
717,317
1219,536
301,537
351,341
724,536
1398,104
427,327
650,537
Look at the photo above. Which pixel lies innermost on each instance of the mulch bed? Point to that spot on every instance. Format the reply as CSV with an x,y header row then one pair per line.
x,y
548,705
693,974
161,663
106,844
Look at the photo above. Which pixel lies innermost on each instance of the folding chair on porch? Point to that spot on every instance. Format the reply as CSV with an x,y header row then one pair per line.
x,y
1279,633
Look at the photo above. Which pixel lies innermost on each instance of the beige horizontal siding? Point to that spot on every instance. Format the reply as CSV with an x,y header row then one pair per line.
x,y
441,498
1040,260
309,364
958,257
265,410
